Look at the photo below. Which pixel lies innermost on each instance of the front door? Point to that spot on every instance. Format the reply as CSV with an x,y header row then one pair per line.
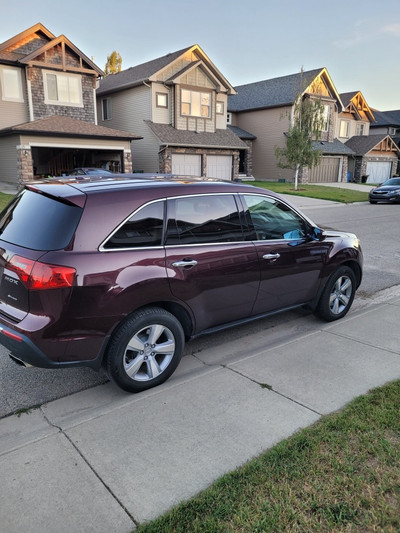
x,y
290,263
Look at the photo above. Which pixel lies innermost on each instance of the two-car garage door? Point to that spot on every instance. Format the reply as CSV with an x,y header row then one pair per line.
x,y
218,166
378,171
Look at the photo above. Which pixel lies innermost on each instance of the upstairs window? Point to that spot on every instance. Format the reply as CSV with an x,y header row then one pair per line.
x,y
360,129
344,129
195,104
106,108
63,89
326,115
11,84
162,100
219,108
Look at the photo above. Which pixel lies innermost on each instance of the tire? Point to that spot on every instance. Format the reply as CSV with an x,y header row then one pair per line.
x,y
373,201
338,295
145,350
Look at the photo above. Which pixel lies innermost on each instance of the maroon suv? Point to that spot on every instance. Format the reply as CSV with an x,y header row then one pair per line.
x,y
120,271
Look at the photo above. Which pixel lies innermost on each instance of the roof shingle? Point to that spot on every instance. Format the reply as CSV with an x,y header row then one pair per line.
x,y
220,139
276,92
68,126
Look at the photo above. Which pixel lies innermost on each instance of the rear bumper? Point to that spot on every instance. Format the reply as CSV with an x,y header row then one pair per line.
x,y
26,352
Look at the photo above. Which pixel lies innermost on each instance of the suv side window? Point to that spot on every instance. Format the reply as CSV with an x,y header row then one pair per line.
x,y
274,220
204,219
143,228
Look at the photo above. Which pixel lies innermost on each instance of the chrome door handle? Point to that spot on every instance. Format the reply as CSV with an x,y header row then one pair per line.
x,y
271,256
185,263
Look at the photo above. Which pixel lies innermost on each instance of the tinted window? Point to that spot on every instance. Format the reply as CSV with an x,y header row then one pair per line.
x,y
273,219
204,219
144,228
38,222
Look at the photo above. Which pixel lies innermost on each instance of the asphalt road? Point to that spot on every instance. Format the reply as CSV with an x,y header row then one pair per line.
x,y
378,227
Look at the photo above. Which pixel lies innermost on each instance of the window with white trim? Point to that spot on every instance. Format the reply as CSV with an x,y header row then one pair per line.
x,y
62,89
344,128
11,84
162,100
106,108
195,104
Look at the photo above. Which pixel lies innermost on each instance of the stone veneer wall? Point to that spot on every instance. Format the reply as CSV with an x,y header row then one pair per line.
x,y
43,110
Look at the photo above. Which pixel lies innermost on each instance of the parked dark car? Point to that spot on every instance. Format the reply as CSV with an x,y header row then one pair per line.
x,y
121,272
388,191
89,171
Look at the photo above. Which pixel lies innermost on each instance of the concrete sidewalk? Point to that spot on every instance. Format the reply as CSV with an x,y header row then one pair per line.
x,y
103,460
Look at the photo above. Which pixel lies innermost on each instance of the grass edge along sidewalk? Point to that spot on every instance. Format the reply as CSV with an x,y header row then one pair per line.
x,y
321,192
341,474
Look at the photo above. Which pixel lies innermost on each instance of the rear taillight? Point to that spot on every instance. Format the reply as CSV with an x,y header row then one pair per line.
x,y
38,276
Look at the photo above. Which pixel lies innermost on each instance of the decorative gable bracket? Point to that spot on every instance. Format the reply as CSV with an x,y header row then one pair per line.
x,y
54,55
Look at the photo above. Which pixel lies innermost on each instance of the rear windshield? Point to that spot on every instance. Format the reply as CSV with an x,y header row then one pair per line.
x,y
38,222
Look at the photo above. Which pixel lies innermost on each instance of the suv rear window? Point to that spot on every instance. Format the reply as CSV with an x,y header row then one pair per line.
x,y
38,222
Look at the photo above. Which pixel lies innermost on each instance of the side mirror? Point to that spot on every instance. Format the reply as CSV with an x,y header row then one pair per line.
x,y
316,234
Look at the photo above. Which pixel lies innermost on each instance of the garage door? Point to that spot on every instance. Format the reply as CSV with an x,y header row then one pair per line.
x,y
378,171
219,166
326,172
186,164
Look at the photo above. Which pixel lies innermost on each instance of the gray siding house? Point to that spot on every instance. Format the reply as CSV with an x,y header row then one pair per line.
x,y
48,122
178,104
264,109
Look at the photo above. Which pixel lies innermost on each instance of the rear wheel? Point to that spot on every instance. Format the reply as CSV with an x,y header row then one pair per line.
x,y
145,350
338,295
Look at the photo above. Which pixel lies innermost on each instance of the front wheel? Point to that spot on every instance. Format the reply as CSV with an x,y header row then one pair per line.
x,y
145,350
338,295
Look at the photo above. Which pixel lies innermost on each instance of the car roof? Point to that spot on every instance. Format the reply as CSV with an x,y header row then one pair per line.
x,y
76,188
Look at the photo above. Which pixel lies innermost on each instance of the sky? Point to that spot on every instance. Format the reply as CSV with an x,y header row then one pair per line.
x,y
248,40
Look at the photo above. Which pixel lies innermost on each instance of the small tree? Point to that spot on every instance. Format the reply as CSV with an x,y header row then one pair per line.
x,y
306,124
114,63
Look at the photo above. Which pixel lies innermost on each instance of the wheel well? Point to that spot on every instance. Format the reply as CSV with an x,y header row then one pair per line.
x,y
179,312
355,267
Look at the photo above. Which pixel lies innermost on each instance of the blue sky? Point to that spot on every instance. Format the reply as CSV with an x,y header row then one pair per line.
x,y
248,40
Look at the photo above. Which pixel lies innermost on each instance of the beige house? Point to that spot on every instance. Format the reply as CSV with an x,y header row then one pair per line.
x,y
48,122
178,104
375,153
264,109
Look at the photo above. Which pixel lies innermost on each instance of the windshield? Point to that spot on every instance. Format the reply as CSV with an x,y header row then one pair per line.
x,y
38,222
392,181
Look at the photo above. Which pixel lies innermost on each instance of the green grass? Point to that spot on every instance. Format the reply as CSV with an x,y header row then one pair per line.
x,y
342,474
4,199
335,194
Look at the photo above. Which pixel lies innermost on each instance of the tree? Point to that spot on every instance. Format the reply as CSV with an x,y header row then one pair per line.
x,y
305,126
114,63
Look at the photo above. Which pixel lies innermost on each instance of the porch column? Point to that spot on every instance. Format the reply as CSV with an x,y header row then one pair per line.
x,y
24,163
127,161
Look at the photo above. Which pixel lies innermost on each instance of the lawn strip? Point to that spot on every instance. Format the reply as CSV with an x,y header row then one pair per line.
x,y
335,194
342,474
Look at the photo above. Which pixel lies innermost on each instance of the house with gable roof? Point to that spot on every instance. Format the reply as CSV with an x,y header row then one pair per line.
x,y
178,104
386,122
264,109
48,122
375,156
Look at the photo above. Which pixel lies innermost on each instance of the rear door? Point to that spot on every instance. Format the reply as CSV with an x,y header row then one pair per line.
x,y
209,263
290,263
